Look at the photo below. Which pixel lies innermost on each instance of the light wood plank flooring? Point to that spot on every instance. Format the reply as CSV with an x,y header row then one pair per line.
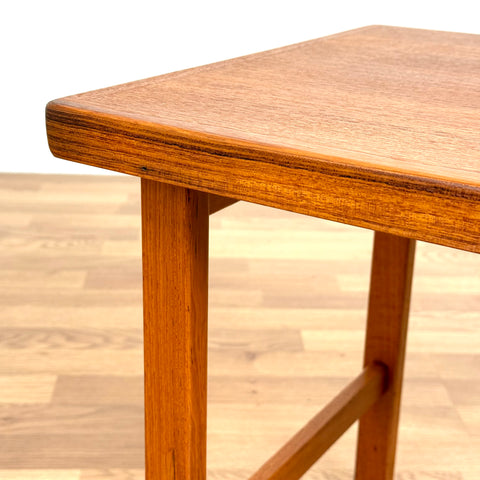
x,y
287,313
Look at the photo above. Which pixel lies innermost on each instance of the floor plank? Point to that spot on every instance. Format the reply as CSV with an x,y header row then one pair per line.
x,y
287,313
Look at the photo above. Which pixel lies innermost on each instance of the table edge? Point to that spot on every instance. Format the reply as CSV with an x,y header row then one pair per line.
x,y
405,203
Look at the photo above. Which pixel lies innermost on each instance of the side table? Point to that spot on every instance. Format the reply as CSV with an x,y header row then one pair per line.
x,y
377,127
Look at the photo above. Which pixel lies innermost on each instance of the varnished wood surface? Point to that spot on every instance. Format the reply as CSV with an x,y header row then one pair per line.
x,y
386,342
377,127
288,297
175,302
217,203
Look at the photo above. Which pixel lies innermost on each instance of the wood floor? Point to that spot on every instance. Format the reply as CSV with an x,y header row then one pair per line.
x,y
287,315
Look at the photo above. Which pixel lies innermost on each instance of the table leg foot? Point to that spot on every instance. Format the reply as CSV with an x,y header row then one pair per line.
x,y
389,302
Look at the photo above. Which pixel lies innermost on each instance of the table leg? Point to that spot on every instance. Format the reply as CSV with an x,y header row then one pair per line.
x,y
390,285
175,292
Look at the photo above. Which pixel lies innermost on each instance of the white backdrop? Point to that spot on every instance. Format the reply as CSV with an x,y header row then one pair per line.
x,y
53,48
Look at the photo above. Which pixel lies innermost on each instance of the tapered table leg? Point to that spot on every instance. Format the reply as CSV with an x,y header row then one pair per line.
x,y
390,286
175,286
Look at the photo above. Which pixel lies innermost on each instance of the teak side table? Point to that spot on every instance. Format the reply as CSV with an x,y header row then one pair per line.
x,y
377,127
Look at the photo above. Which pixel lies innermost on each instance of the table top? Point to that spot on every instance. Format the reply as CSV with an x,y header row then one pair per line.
x,y
377,127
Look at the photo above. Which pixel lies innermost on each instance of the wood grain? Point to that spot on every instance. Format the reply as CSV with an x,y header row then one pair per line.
x,y
322,431
386,337
377,127
175,292
268,303
26,389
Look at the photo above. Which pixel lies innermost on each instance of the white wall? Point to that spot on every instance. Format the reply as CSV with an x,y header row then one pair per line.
x,y
53,48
